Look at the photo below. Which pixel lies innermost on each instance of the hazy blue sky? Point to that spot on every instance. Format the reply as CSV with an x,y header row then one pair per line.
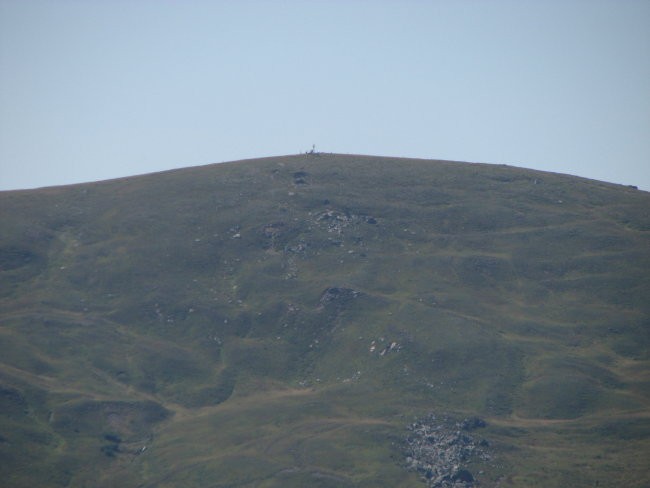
x,y
92,90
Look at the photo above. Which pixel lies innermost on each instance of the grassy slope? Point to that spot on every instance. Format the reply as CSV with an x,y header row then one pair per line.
x,y
186,313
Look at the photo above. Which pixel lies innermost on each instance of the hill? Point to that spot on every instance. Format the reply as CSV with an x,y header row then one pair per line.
x,y
316,320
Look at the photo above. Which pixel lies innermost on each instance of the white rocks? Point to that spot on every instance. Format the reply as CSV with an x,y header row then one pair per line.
x,y
392,347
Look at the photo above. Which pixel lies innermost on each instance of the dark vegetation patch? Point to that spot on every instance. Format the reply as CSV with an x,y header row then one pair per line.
x,y
133,419
12,258
565,395
213,395
627,429
12,403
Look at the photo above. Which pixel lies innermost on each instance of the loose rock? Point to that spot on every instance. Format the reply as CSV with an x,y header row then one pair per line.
x,y
438,449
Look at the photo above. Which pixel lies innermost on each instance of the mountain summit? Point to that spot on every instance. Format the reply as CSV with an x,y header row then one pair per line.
x,y
329,321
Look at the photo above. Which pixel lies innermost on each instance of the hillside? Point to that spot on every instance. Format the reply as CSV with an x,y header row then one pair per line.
x,y
285,321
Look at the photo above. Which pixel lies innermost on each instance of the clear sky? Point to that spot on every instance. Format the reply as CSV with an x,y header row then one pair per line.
x,y
91,90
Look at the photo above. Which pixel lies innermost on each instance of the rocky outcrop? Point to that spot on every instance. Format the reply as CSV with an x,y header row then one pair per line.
x,y
337,296
335,221
440,448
